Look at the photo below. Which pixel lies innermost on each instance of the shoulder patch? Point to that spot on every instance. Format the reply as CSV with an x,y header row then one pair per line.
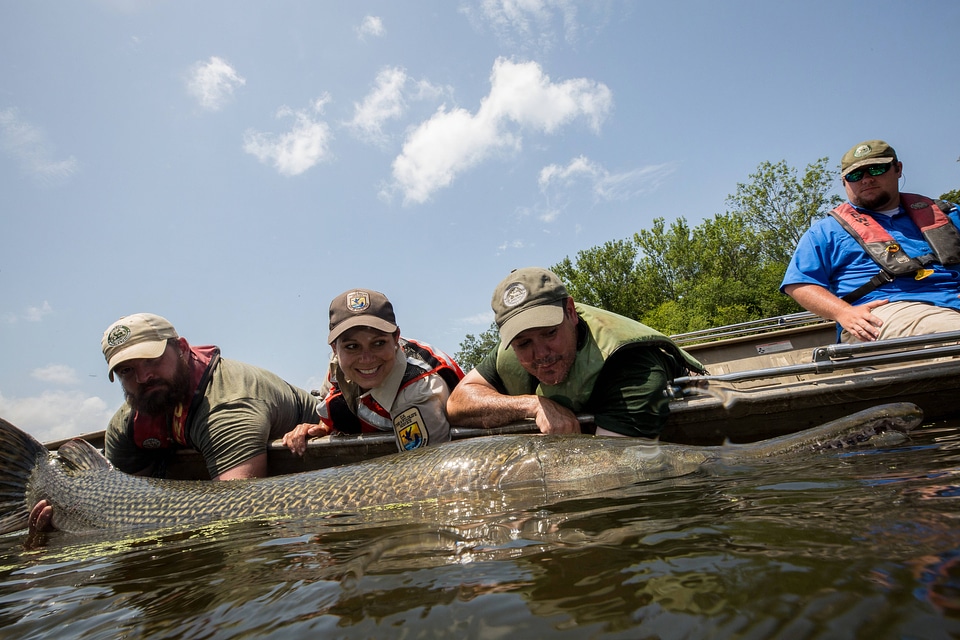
x,y
411,434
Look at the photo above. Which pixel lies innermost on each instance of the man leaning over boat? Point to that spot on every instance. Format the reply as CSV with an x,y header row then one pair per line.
x,y
557,358
885,264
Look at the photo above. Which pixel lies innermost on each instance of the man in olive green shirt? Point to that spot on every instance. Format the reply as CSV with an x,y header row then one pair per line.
x,y
557,358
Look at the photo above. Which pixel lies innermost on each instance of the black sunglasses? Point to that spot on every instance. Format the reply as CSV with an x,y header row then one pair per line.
x,y
874,170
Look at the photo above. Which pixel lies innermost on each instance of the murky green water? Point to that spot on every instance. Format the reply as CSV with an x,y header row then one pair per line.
x,y
840,545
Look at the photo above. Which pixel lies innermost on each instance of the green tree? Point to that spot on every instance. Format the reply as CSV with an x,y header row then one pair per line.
x,y
604,277
951,196
780,206
668,261
474,348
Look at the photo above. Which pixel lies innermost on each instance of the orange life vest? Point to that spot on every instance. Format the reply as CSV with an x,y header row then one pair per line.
x,y
929,215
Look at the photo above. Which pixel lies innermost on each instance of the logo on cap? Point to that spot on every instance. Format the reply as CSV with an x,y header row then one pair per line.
x,y
358,301
514,295
862,150
118,335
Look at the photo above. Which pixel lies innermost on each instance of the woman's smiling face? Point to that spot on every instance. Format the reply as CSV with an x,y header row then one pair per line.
x,y
367,355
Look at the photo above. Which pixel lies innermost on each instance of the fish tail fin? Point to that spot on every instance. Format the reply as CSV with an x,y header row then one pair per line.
x,y
20,454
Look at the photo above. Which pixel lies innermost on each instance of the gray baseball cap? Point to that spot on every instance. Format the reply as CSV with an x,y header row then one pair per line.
x,y
528,298
867,153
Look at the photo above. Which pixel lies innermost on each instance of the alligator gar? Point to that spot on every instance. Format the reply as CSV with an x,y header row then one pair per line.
x,y
471,477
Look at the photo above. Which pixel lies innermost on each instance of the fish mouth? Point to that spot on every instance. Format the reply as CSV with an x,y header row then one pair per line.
x,y
891,429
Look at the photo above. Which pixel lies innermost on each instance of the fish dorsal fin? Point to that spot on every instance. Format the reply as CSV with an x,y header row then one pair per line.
x,y
80,455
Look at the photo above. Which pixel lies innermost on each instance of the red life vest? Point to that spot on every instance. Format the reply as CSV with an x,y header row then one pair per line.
x,y
929,215
163,432
370,416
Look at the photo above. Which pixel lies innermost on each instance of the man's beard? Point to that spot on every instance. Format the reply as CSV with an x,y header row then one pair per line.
x,y
880,201
161,397
555,377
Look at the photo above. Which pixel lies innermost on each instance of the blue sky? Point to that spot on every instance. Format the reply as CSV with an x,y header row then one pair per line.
x,y
233,165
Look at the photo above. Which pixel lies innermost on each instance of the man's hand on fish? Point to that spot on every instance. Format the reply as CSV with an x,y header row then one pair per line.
x,y
555,418
39,523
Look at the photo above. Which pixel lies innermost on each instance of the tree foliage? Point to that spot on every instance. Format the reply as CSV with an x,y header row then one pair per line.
x,y
951,196
603,276
474,348
779,206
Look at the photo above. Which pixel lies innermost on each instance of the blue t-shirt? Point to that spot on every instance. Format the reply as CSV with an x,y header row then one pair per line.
x,y
830,257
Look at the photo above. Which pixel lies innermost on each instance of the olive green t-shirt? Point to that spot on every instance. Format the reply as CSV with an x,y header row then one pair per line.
x,y
244,408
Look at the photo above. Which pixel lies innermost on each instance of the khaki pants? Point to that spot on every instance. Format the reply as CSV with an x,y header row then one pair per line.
x,y
902,319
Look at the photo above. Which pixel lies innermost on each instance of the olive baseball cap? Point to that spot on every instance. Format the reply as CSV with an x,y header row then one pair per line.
x,y
360,308
528,298
139,335
867,153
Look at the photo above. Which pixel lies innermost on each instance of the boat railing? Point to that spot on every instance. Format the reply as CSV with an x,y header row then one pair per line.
x,y
838,357
456,433
763,325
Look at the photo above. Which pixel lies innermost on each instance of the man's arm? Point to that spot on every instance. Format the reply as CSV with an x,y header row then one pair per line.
x,y
857,320
477,403
255,467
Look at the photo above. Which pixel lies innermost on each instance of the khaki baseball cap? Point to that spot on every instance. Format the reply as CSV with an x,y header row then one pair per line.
x,y
867,153
528,298
360,308
140,335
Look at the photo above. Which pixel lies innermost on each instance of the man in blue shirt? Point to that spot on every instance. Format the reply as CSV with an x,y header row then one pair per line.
x,y
885,264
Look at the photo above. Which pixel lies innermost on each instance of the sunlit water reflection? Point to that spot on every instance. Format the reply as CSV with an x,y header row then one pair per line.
x,y
837,545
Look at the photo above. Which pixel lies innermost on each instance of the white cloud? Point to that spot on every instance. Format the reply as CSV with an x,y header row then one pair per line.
x,y
292,153
36,314
510,245
388,101
371,26
453,141
55,415
56,373
30,314
480,320
548,215
529,24
383,103
29,147
212,83
603,184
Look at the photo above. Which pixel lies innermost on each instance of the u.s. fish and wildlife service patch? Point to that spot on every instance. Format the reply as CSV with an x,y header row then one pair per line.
x,y
410,431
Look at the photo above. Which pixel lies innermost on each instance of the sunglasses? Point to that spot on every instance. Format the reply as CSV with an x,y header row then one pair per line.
x,y
874,170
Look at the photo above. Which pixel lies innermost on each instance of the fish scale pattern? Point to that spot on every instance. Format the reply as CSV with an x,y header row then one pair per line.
x,y
460,479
